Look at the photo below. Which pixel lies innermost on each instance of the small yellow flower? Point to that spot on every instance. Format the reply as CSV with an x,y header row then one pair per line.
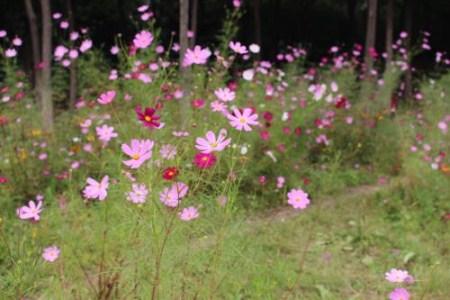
x,y
36,132
90,138
22,154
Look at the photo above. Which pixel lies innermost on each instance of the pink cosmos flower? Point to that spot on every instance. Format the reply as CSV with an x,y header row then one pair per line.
x,y
85,46
238,47
210,143
237,3
168,151
138,194
242,120
139,150
105,133
114,50
11,52
280,182
17,41
218,106
171,196
51,253
399,294
30,212
196,56
225,94
106,97
204,160
298,199
143,39
322,139
188,214
95,189
396,276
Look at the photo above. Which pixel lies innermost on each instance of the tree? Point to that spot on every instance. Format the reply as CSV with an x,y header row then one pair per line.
x,y
370,34
35,47
389,30
46,90
194,21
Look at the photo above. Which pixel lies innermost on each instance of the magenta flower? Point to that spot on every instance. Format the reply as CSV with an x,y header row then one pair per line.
x,y
225,94
298,199
399,294
238,47
205,160
106,97
138,194
188,214
95,189
51,253
30,212
105,133
196,56
143,39
148,117
139,151
242,120
210,143
396,275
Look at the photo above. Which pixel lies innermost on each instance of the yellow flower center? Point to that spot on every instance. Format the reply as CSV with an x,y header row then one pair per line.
x,y
135,156
148,118
242,120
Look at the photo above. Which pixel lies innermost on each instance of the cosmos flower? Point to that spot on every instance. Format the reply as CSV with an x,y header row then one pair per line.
x,y
139,151
95,189
143,39
30,212
106,97
188,214
196,56
51,253
168,151
85,46
242,120
238,47
138,193
298,199
225,94
171,196
210,143
205,160
396,275
170,173
105,133
148,117
399,294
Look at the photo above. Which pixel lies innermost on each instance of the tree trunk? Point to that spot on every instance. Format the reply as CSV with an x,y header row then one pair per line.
x,y
35,45
408,26
46,91
389,30
370,34
194,21
73,65
257,20
183,28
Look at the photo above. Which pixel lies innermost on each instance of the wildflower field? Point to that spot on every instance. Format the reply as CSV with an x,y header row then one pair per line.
x,y
216,174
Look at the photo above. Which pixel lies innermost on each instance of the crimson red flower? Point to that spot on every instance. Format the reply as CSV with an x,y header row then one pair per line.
x,y
3,179
148,117
298,131
170,173
198,103
268,116
204,160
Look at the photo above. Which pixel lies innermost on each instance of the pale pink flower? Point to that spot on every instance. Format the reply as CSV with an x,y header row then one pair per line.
x,y
60,51
143,8
280,182
57,15
106,97
399,294
237,3
11,52
196,56
64,25
225,94
138,194
114,50
238,47
17,41
105,133
188,214
85,45
242,121
143,39
254,48
74,36
95,189
443,127
396,276
171,196
248,74
168,151
3,33
322,139
218,106
210,143
32,211
73,54
139,150
51,253
298,199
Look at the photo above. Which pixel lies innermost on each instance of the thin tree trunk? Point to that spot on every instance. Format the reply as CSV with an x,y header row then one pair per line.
x,y
73,65
46,91
389,30
257,20
194,22
183,29
370,34
408,26
35,45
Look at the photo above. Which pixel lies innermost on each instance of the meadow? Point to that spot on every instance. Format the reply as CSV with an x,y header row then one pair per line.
x,y
223,176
